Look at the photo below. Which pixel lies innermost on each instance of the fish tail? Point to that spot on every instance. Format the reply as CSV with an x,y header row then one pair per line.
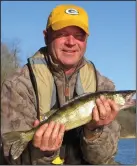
x,y
17,148
18,142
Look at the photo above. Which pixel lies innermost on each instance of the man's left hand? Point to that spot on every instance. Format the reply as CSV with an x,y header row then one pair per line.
x,y
103,113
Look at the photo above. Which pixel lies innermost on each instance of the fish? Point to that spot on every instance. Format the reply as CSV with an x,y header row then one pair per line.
x,y
73,114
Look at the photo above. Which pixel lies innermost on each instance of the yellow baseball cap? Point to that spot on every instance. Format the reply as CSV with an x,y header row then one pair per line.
x,y
68,15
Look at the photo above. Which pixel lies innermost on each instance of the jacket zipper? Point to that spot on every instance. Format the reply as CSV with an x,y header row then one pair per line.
x,y
67,90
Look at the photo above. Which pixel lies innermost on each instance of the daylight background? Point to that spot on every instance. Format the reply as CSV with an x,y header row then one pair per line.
x,y
111,44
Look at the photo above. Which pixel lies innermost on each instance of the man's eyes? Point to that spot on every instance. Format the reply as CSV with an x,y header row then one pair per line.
x,y
78,36
62,34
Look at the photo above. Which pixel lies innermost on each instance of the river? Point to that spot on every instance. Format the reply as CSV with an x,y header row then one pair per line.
x,y
127,151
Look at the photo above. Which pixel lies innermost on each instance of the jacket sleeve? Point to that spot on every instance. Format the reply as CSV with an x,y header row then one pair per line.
x,y
18,112
103,149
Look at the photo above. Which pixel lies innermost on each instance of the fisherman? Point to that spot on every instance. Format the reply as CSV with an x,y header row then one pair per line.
x,y
55,74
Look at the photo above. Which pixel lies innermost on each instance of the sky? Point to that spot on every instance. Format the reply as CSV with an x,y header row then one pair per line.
x,y
111,44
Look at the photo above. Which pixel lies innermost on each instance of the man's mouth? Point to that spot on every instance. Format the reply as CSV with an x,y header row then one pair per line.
x,y
69,51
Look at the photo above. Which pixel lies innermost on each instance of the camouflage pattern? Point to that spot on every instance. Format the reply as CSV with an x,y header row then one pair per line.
x,y
103,149
18,112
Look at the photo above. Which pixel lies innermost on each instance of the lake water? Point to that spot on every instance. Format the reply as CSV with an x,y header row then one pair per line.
x,y
127,151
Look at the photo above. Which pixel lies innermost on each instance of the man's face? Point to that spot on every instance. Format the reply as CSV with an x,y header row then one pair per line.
x,y
67,45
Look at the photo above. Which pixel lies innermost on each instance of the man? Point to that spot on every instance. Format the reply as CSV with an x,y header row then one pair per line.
x,y
54,75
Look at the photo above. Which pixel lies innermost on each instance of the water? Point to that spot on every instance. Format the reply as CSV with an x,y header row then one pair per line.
x,y
126,151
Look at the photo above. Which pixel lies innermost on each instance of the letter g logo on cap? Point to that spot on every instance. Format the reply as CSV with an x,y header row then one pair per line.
x,y
72,11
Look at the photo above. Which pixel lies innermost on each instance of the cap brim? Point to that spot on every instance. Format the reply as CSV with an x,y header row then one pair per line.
x,y
64,23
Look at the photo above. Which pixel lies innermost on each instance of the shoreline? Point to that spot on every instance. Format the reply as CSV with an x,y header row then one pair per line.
x,y
126,137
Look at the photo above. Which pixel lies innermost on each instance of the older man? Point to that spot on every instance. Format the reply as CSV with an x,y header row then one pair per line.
x,y
54,75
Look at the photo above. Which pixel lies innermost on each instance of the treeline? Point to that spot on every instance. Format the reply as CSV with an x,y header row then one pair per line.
x,y
9,59
132,109
127,120
9,63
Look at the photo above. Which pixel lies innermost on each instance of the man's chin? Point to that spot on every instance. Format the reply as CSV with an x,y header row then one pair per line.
x,y
69,65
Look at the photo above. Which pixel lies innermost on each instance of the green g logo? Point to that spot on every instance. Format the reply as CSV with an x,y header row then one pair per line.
x,y
72,11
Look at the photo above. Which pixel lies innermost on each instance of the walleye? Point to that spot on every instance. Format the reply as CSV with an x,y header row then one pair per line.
x,y
75,113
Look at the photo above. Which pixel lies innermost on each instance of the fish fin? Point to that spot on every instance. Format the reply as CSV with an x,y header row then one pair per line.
x,y
75,98
49,113
11,137
17,148
79,96
17,141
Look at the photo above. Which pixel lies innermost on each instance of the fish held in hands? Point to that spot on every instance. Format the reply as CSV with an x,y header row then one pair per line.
x,y
75,113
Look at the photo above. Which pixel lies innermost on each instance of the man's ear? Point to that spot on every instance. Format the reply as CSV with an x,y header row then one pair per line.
x,y
45,36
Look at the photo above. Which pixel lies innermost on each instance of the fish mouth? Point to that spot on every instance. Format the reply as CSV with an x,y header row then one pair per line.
x,y
129,101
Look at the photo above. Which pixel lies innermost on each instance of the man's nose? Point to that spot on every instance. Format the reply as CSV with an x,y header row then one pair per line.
x,y
70,40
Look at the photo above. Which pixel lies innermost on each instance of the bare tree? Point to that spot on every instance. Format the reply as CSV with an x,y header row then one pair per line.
x,y
15,50
9,59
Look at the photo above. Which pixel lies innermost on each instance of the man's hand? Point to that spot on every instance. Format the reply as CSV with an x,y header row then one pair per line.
x,y
49,137
103,113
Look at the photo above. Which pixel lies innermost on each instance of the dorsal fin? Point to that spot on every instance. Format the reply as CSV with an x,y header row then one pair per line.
x,y
112,92
75,99
49,113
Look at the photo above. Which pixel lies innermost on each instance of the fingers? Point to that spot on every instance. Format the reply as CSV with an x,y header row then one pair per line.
x,y
101,108
103,113
95,114
54,134
49,136
36,123
114,108
38,135
106,105
60,136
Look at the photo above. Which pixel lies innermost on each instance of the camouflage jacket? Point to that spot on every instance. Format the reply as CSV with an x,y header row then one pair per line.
x,y
18,112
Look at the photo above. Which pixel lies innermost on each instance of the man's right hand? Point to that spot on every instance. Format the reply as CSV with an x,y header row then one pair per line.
x,y
48,137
